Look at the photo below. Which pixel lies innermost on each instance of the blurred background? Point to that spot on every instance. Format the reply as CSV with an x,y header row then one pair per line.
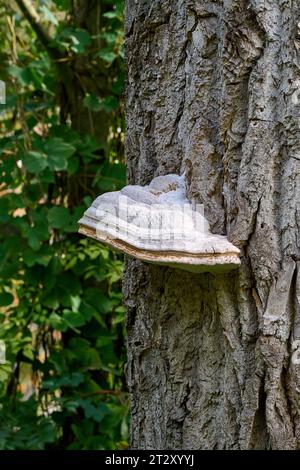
x,y
62,352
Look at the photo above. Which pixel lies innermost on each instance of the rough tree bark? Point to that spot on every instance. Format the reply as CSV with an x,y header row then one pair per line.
x,y
213,88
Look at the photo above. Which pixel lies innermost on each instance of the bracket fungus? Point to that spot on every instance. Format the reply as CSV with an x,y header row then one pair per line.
x,y
158,224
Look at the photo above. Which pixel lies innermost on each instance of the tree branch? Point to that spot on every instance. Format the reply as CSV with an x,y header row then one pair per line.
x,y
34,19
59,59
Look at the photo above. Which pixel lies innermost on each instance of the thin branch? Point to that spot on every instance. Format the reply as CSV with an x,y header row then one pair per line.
x,y
34,19
55,54
121,396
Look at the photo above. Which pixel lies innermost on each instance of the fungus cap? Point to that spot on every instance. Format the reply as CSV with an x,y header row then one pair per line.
x,y
157,224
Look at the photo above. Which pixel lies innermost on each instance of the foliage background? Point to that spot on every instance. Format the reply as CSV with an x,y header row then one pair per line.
x,y
62,131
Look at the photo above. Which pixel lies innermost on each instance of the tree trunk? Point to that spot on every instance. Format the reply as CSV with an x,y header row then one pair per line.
x,y
88,77
213,88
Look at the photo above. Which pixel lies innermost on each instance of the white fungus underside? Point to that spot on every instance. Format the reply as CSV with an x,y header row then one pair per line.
x,y
170,242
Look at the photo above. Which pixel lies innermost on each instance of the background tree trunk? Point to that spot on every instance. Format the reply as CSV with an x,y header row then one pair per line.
x,y
213,87
88,77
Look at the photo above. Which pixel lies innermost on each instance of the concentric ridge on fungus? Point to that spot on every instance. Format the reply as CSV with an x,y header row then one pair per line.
x,y
157,224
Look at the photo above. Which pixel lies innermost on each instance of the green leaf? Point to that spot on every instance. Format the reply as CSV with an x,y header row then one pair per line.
x,y
80,39
93,102
58,217
72,380
33,240
57,322
47,432
111,15
63,4
36,231
47,176
35,162
110,103
40,226
87,310
4,210
73,165
73,319
26,76
111,176
58,152
41,257
110,37
6,299
107,55
76,39
50,300
91,411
